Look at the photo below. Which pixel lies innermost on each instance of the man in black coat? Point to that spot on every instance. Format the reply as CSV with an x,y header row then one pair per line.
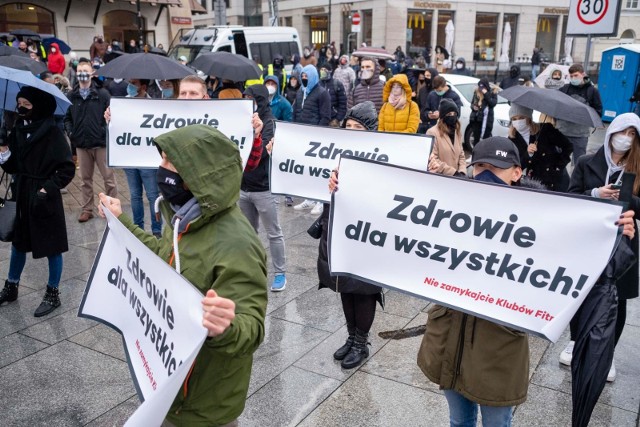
x,y
513,79
440,91
336,92
87,129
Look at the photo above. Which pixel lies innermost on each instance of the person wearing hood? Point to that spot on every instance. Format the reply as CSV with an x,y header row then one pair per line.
x,y
599,175
460,68
312,107
308,58
581,89
280,107
292,88
555,80
295,64
544,151
423,94
482,103
336,92
447,155
441,91
358,298
37,154
256,201
56,62
345,75
399,113
277,69
513,79
210,242
370,87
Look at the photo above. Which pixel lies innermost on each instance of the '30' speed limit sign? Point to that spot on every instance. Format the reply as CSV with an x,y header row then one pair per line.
x,y
593,17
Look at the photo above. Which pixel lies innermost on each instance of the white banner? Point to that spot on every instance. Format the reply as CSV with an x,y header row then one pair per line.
x,y
136,121
525,259
303,156
157,311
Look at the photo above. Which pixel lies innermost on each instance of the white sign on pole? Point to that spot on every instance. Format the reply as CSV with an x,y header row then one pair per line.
x,y
593,17
135,122
303,156
617,64
494,253
355,22
157,311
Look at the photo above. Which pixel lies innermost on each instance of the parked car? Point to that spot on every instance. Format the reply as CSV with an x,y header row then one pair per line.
x,y
464,86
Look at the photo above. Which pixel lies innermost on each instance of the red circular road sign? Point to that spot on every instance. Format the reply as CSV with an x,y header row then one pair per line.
x,y
355,18
592,11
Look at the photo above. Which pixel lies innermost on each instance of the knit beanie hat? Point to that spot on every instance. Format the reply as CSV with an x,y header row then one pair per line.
x,y
447,106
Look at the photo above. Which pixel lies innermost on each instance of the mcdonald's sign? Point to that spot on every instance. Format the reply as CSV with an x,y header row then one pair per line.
x,y
418,19
544,25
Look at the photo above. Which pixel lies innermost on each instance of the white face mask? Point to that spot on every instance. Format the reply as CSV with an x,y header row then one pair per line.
x,y
459,66
520,125
271,90
366,74
621,143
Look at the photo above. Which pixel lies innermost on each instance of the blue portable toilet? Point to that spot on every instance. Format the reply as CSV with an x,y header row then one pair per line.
x,y
619,77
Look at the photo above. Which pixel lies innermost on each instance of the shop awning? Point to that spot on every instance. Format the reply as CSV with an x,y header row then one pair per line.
x,y
196,7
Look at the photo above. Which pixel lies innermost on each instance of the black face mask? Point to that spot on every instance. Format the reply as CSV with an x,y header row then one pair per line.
x,y
24,112
170,185
513,73
450,121
304,82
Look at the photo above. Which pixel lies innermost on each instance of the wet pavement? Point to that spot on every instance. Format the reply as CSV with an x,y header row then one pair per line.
x,y
62,370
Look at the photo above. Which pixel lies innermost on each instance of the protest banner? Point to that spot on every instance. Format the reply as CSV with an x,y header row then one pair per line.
x,y
135,122
157,311
303,156
523,258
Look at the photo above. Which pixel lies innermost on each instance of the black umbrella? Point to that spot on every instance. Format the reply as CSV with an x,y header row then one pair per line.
x,y
64,47
553,103
9,51
144,66
227,66
25,33
23,63
595,338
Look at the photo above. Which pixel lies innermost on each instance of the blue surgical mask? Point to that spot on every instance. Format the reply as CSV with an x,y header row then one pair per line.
x,y
576,82
132,90
167,93
440,92
488,176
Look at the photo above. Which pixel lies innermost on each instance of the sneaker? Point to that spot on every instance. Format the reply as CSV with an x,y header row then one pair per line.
x,y
288,200
567,354
307,204
317,209
612,372
279,283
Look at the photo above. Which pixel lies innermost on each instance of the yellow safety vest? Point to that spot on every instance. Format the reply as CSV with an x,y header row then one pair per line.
x,y
255,81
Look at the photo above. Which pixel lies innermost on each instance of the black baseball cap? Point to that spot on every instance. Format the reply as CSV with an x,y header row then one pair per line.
x,y
497,151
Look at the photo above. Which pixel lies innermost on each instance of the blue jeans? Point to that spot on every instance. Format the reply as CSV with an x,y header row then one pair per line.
x,y
464,413
18,260
138,178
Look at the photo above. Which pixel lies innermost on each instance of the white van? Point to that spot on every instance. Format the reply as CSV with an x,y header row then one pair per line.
x,y
263,42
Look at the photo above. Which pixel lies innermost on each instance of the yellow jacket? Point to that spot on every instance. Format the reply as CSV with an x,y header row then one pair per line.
x,y
405,120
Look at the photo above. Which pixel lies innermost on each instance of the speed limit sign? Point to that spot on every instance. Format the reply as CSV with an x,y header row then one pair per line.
x,y
593,17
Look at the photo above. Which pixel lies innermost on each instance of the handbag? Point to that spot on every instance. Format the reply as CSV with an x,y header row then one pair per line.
x,y
7,212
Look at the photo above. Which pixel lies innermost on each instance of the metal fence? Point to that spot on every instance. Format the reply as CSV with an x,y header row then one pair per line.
x,y
496,71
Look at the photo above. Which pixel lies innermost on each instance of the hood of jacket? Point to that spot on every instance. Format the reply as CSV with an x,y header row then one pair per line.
x,y
620,123
398,78
276,80
340,59
312,76
57,47
464,62
260,94
517,67
364,113
208,162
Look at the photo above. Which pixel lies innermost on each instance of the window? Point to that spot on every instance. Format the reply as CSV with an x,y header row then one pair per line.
x,y
545,38
631,4
319,26
443,18
512,20
484,47
15,16
367,26
266,51
418,31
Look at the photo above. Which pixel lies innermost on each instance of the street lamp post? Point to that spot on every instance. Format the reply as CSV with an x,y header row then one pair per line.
x,y
329,25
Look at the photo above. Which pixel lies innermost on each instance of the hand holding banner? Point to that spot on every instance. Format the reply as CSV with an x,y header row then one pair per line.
x,y
495,252
135,122
303,156
157,311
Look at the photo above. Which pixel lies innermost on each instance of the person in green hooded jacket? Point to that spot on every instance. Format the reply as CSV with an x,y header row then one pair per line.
x,y
211,243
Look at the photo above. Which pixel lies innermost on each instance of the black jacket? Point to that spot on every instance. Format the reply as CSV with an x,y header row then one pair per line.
x,y
489,101
338,96
433,103
590,172
513,79
464,71
84,121
422,97
316,109
258,179
43,160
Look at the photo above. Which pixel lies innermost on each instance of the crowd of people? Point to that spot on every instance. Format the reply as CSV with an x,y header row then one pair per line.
x,y
322,88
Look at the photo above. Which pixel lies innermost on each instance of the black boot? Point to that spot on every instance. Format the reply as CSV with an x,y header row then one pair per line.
x,y
359,351
50,302
9,293
342,351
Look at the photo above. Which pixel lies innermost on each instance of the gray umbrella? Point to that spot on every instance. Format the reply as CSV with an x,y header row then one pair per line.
x,y
22,63
227,66
144,66
8,51
553,103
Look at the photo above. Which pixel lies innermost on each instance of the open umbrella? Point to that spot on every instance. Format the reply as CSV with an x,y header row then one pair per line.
x,y
25,33
227,66
506,42
64,47
595,336
9,51
373,52
546,74
11,80
22,63
144,66
553,103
